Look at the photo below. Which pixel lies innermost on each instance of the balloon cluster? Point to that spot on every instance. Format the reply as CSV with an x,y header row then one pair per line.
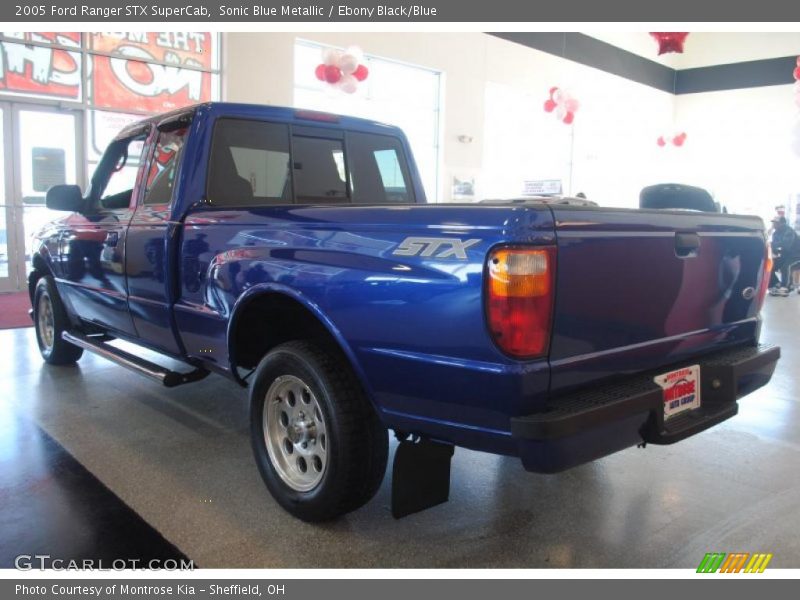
x,y
563,104
796,128
343,69
677,139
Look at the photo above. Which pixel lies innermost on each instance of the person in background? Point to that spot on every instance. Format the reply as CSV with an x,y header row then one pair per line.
x,y
785,251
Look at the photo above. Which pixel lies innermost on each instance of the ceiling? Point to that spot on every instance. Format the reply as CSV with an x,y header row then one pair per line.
x,y
703,49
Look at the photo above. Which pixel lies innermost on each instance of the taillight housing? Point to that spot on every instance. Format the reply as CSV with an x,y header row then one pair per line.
x,y
762,288
520,285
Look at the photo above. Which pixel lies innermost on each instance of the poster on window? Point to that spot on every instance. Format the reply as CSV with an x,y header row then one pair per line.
x,y
128,80
35,70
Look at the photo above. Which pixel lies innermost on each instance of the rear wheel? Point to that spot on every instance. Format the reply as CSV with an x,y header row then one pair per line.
x,y
50,320
318,443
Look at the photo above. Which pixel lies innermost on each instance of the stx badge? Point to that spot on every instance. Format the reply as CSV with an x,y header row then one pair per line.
x,y
429,246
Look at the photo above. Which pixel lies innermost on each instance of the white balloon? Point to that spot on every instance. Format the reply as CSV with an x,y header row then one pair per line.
x,y
571,104
348,84
561,112
558,96
331,56
348,63
355,52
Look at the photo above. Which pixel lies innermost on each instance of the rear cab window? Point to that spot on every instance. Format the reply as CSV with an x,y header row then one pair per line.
x,y
259,163
379,170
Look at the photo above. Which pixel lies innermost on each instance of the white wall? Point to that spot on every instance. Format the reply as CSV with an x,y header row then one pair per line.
x,y
739,146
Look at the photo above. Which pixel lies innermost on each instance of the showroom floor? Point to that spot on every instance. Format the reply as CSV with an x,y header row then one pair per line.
x,y
180,459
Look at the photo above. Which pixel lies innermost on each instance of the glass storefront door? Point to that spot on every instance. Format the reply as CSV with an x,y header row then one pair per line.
x,y
40,148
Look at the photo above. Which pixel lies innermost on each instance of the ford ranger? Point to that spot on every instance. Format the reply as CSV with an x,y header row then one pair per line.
x,y
294,253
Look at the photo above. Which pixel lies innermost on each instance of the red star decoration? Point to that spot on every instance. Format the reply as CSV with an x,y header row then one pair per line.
x,y
670,41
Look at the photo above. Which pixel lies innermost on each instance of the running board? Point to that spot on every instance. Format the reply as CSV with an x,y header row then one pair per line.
x,y
162,375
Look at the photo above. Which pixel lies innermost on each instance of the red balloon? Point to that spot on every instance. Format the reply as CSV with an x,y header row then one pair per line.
x,y
332,73
569,118
361,72
661,141
549,105
679,139
553,90
796,73
670,41
320,72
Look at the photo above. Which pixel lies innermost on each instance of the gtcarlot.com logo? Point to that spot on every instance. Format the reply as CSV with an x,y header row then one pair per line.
x,y
28,562
735,562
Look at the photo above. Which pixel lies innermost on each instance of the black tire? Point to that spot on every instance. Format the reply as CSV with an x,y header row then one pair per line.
x,y
357,442
57,352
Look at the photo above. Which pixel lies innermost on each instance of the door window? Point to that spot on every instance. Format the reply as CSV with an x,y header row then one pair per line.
x,y
249,164
115,179
163,169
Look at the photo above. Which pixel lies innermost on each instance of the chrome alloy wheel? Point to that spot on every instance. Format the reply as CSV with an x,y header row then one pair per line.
x,y
295,433
45,322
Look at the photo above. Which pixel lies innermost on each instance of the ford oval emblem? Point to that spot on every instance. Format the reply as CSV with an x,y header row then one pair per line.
x,y
748,293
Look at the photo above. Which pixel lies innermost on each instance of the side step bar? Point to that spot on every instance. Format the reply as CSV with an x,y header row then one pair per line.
x,y
162,375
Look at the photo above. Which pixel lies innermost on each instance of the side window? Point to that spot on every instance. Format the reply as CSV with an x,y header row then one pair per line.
x,y
379,173
319,173
117,171
164,167
249,164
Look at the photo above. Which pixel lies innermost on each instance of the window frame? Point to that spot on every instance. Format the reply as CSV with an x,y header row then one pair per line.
x,y
105,171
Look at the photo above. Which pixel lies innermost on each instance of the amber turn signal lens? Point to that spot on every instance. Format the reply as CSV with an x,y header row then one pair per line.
x,y
519,299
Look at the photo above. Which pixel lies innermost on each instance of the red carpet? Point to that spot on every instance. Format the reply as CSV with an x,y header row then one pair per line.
x,y
14,309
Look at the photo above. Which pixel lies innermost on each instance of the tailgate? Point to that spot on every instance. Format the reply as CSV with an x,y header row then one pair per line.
x,y
638,289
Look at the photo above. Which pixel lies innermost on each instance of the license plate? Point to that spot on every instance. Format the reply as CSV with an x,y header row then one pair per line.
x,y
681,390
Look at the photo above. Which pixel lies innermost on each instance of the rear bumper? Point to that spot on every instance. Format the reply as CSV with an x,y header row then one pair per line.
x,y
588,424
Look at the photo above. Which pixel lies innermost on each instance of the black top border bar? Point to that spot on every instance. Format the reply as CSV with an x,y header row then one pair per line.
x,y
343,11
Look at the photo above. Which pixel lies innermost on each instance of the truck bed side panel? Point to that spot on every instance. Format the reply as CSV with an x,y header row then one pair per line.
x,y
413,323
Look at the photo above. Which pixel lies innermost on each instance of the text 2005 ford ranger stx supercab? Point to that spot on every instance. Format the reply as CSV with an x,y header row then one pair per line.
x,y
294,253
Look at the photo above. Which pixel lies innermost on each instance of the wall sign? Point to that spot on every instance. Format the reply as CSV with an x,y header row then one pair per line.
x,y
541,187
39,70
127,81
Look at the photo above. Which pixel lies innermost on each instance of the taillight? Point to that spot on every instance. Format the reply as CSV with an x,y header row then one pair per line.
x,y
519,299
762,288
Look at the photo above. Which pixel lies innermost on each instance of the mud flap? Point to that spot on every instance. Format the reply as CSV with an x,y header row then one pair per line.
x,y
420,476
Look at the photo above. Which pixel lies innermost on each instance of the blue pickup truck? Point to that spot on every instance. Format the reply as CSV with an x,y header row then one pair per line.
x,y
294,253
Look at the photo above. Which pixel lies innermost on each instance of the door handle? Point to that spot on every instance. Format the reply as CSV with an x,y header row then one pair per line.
x,y
112,238
687,245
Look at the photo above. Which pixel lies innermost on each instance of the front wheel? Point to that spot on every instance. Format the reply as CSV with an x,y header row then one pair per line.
x,y
50,320
318,443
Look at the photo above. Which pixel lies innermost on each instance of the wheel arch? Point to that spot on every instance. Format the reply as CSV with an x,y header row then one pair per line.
x,y
40,269
276,296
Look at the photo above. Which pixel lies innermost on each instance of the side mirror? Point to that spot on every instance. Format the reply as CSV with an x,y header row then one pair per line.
x,y
65,197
